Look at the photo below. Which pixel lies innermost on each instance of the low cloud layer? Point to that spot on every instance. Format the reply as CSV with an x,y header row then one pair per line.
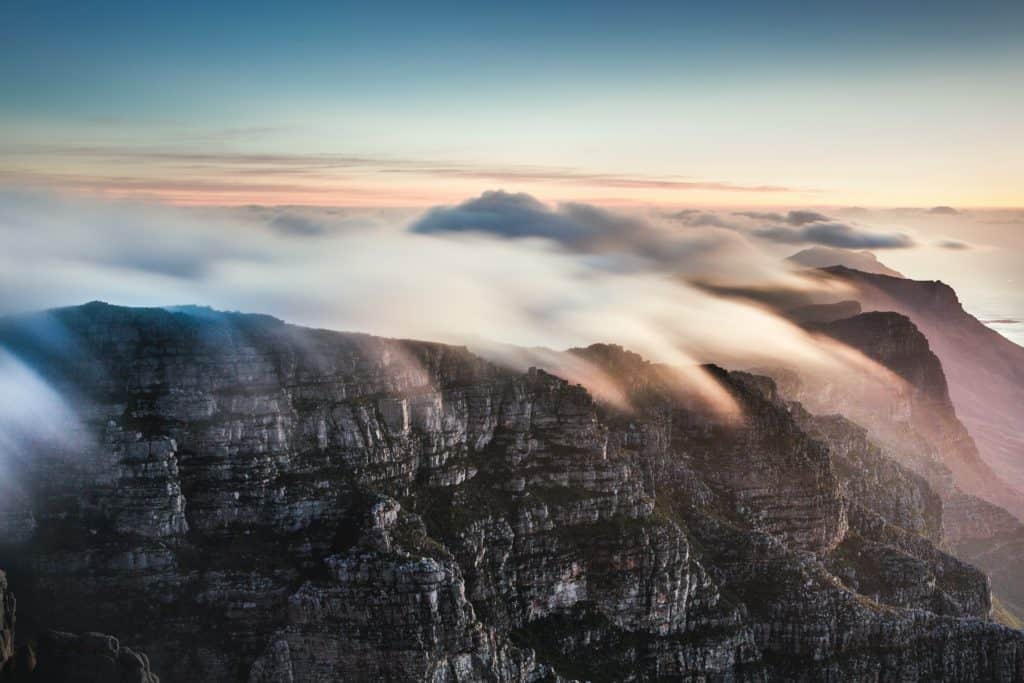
x,y
792,217
799,227
500,267
520,215
617,241
836,235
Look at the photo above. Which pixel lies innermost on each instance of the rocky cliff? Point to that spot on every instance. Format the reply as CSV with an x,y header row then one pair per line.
x,y
932,442
985,370
248,500
896,343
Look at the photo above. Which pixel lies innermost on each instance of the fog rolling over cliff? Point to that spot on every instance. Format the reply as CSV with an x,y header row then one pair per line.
x,y
517,342
985,370
250,500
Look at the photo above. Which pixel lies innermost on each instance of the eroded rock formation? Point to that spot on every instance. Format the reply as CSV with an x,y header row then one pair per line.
x,y
928,437
251,501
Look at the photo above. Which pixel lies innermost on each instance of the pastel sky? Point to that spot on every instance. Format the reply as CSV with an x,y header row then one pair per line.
x,y
601,146
382,104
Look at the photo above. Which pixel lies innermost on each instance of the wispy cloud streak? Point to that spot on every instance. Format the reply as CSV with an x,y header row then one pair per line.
x,y
212,177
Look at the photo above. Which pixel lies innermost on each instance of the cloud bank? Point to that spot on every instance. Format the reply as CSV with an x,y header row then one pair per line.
x,y
500,267
836,235
616,241
792,217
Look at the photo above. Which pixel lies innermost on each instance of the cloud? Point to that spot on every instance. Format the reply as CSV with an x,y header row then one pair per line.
x,y
45,230
697,218
761,215
955,245
35,422
199,176
624,242
503,267
176,263
805,217
835,235
797,218
299,226
1005,218
312,221
514,216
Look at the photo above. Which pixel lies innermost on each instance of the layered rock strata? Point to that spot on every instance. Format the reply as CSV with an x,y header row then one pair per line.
x,y
252,501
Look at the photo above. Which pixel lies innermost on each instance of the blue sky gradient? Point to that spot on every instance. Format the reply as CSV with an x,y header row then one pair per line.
x,y
748,93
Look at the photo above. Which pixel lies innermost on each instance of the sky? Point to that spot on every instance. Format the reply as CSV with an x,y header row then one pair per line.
x,y
880,104
435,169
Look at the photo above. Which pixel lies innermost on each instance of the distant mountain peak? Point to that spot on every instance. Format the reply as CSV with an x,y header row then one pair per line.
x,y
824,257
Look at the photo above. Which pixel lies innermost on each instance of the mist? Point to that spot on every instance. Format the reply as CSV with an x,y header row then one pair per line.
x,y
501,269
34,421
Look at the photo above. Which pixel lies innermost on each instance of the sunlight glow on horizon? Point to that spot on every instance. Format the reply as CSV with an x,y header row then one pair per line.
x,y
878,104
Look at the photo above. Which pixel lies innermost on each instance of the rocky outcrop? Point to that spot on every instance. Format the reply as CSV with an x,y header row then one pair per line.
x,y
393,606
253,501
873,480
896,343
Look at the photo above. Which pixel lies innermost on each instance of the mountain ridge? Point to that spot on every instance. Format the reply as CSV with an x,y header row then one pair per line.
x,y
263,501
984,368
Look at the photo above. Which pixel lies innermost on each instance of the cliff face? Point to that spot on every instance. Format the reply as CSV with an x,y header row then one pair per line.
x,y
934,443
873,480
896,343
252,501
984,369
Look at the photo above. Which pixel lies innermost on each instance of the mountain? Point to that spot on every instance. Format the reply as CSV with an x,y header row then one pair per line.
x,y
923,432
985,370
249,500
896,343
978,525
824,257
